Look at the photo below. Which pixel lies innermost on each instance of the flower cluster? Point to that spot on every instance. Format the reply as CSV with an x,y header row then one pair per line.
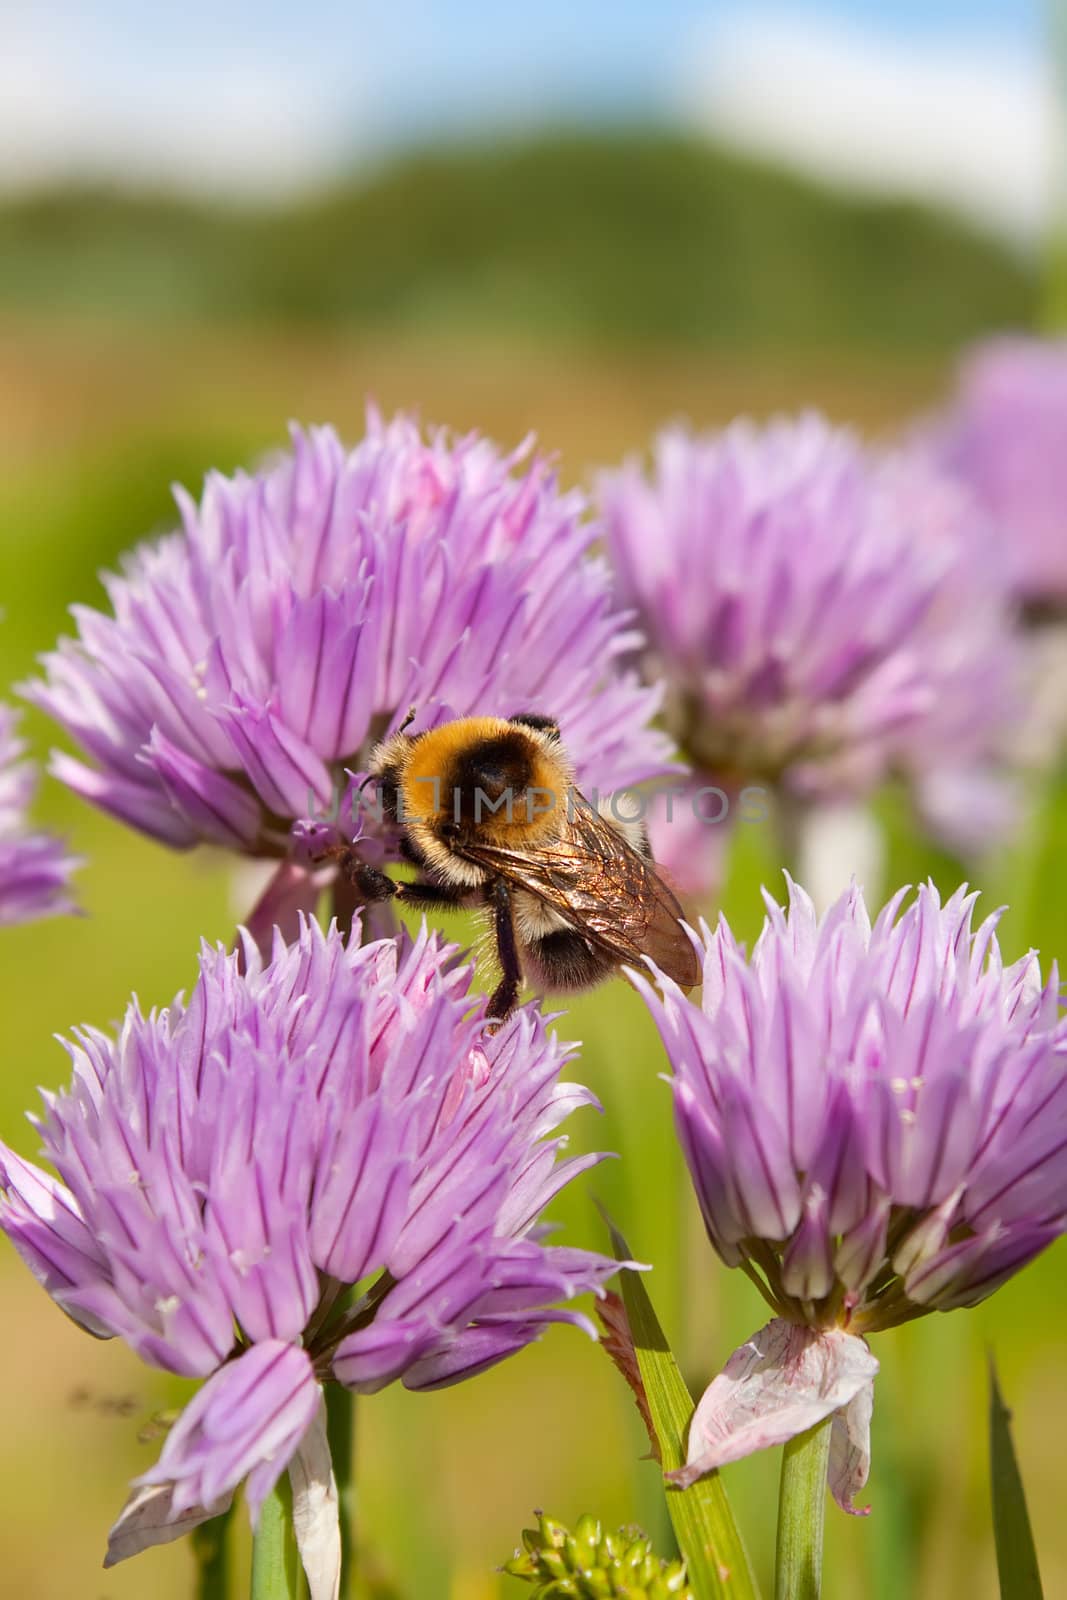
x,y
875,1122
1004,437
818,614
35,869
323,1167
326,1166
254,658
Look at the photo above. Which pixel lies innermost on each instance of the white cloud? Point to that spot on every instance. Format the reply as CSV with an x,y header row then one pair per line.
x,y
83,103
962,121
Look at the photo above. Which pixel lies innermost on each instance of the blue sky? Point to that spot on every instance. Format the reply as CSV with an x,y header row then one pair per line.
x,y
266,97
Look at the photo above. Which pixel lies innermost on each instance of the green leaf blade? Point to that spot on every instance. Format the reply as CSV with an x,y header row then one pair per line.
x,y
708,1537
1017,1566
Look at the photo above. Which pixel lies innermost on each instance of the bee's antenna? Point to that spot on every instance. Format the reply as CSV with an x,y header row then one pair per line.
x,y
413,712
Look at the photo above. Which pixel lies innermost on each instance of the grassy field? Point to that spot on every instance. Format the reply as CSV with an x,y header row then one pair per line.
x,y
94,425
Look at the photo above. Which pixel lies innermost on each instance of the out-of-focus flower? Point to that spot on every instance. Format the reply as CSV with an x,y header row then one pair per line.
x,y
875,1122
690,826
35,869
593,1565
229,1169
1004,436
252,660
817,612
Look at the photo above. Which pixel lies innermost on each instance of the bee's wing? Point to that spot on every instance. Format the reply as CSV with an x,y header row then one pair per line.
x,y
604,889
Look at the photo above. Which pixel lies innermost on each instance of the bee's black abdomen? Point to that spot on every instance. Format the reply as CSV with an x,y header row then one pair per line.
x,y
565,959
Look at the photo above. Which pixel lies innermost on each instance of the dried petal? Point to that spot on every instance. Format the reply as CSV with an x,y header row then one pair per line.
x,y
148,1518
850,1450
617,1342
315,1511
784,1380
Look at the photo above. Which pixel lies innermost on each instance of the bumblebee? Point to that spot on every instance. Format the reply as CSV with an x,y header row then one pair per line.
x,y
489,815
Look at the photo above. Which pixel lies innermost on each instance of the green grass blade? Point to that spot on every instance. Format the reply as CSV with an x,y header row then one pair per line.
x,y
708,1536
210,1543
1016,1556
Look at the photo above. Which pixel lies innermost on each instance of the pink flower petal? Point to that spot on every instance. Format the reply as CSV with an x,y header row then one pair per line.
x,y
246,1422
784,1380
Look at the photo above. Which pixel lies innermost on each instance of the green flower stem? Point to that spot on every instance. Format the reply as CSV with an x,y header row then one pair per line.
x,y
801,1500
276,1570
341,1432
376,922
211,1550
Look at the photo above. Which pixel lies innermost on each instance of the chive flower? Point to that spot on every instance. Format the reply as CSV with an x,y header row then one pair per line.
x,y
875,1124
322,1168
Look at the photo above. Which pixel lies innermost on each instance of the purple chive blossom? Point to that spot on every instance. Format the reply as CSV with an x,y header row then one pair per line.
x,y
816,611
1004,437
252,660
230,1167
875,1123
35,870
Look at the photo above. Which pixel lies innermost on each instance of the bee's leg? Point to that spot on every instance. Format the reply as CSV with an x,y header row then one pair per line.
x,y
503,998
370,883
410,852
424,893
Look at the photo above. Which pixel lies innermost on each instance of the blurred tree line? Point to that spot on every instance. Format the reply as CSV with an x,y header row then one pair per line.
x,y
619,237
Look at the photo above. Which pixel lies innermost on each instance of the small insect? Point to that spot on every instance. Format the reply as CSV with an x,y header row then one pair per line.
x,y
489,815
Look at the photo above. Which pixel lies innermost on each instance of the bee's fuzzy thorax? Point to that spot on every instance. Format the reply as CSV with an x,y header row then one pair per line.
x,y
522,769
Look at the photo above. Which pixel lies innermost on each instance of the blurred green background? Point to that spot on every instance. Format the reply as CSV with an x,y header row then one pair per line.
x,y
588,285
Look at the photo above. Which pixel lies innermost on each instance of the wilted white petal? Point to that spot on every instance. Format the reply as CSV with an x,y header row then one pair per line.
x,y
315,1517
148,1518
782,1381
850,1450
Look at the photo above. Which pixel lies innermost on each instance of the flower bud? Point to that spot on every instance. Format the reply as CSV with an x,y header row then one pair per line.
x,y
592,1565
